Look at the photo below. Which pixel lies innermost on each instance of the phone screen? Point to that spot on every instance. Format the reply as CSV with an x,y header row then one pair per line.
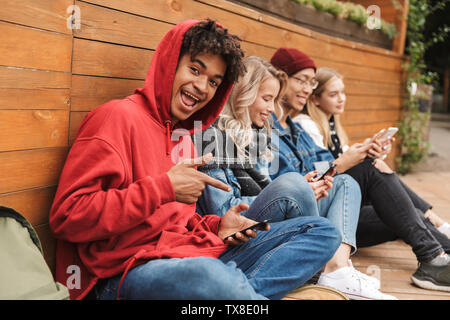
x,y
330,169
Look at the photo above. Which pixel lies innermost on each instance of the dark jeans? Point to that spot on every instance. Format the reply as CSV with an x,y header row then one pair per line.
x,y
391,210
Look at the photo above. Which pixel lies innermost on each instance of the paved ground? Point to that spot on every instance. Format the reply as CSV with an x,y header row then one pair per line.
x,y
394,262
439,153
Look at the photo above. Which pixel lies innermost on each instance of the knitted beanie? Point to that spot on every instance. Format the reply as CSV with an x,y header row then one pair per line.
x,y
291,61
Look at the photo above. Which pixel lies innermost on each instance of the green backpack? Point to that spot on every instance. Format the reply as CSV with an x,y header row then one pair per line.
x,y
24,274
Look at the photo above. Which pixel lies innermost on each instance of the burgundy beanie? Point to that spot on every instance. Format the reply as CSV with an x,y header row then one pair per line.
x,y
291,60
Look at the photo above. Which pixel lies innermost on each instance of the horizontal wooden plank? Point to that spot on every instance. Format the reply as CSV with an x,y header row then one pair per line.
x,y
369,116
20,170
34,89
44,14
21,78
366,73
100,23
90,92
376,89
32,48
271,32
33,204
31,129
362,102
109,60
34,98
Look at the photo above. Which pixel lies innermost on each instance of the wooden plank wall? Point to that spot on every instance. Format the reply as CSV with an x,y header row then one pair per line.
x,y
35,82
52,76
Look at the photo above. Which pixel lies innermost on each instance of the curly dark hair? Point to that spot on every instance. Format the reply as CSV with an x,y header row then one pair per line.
x,y
207,36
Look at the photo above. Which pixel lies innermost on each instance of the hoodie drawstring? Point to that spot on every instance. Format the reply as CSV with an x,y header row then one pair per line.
x,y
199,223
128,267
168,123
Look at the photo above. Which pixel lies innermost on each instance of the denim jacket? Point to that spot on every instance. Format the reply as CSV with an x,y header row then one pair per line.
x,y
217,201
297,154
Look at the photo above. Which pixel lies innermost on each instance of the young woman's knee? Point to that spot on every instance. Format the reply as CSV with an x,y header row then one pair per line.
x,y
295,186
351,186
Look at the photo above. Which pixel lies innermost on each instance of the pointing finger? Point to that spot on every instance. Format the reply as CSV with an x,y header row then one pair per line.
x,y
215,183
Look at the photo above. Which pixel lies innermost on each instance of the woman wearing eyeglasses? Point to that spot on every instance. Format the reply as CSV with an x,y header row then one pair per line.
x,y
385,193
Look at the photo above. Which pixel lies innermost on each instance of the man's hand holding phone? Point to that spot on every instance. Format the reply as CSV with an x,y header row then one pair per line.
x,y
235,229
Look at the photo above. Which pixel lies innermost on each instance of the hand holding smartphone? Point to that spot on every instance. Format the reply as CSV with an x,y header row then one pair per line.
x,y
389,133
261,224
330,169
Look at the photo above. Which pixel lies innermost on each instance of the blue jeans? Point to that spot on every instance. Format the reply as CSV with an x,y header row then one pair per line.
x,y
342,207
269,266
287,196
290,195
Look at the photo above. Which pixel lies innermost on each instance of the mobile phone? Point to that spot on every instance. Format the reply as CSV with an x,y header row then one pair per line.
x,y
389,132
330,169
257,225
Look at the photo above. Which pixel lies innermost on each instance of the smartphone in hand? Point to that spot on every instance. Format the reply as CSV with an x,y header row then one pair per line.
x,y
330,169
243,231
389,132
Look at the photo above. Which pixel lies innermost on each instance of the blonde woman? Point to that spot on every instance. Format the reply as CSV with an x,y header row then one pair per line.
x,y
245,123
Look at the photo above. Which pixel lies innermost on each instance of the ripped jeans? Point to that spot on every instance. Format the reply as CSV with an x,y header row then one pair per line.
x,y
398,208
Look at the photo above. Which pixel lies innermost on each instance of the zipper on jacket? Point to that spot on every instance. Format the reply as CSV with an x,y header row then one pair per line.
x,y
168,124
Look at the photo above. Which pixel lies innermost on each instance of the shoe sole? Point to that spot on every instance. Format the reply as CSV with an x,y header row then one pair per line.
x,y
428,284
352,296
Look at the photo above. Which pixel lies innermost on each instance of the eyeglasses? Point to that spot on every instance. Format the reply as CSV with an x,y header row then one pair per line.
x,y
313,83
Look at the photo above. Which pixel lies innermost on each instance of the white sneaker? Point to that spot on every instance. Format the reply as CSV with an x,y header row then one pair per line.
x,y
350,283
372,280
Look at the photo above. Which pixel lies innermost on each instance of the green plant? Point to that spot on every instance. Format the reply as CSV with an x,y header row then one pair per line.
x,y
356,13
414,148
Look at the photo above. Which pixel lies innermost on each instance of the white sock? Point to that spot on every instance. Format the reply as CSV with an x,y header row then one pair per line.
x,y
441,260
445,229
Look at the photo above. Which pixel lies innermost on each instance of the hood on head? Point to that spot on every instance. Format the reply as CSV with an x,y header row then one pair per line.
x,y
160,77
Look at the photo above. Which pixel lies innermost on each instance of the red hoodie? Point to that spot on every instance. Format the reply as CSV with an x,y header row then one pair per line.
x,y
115,206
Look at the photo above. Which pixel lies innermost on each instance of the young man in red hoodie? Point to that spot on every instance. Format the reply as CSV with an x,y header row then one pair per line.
x,y
124,212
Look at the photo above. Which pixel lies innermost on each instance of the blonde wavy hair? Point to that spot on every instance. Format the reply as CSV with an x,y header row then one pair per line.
x,y
324,75
235,116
